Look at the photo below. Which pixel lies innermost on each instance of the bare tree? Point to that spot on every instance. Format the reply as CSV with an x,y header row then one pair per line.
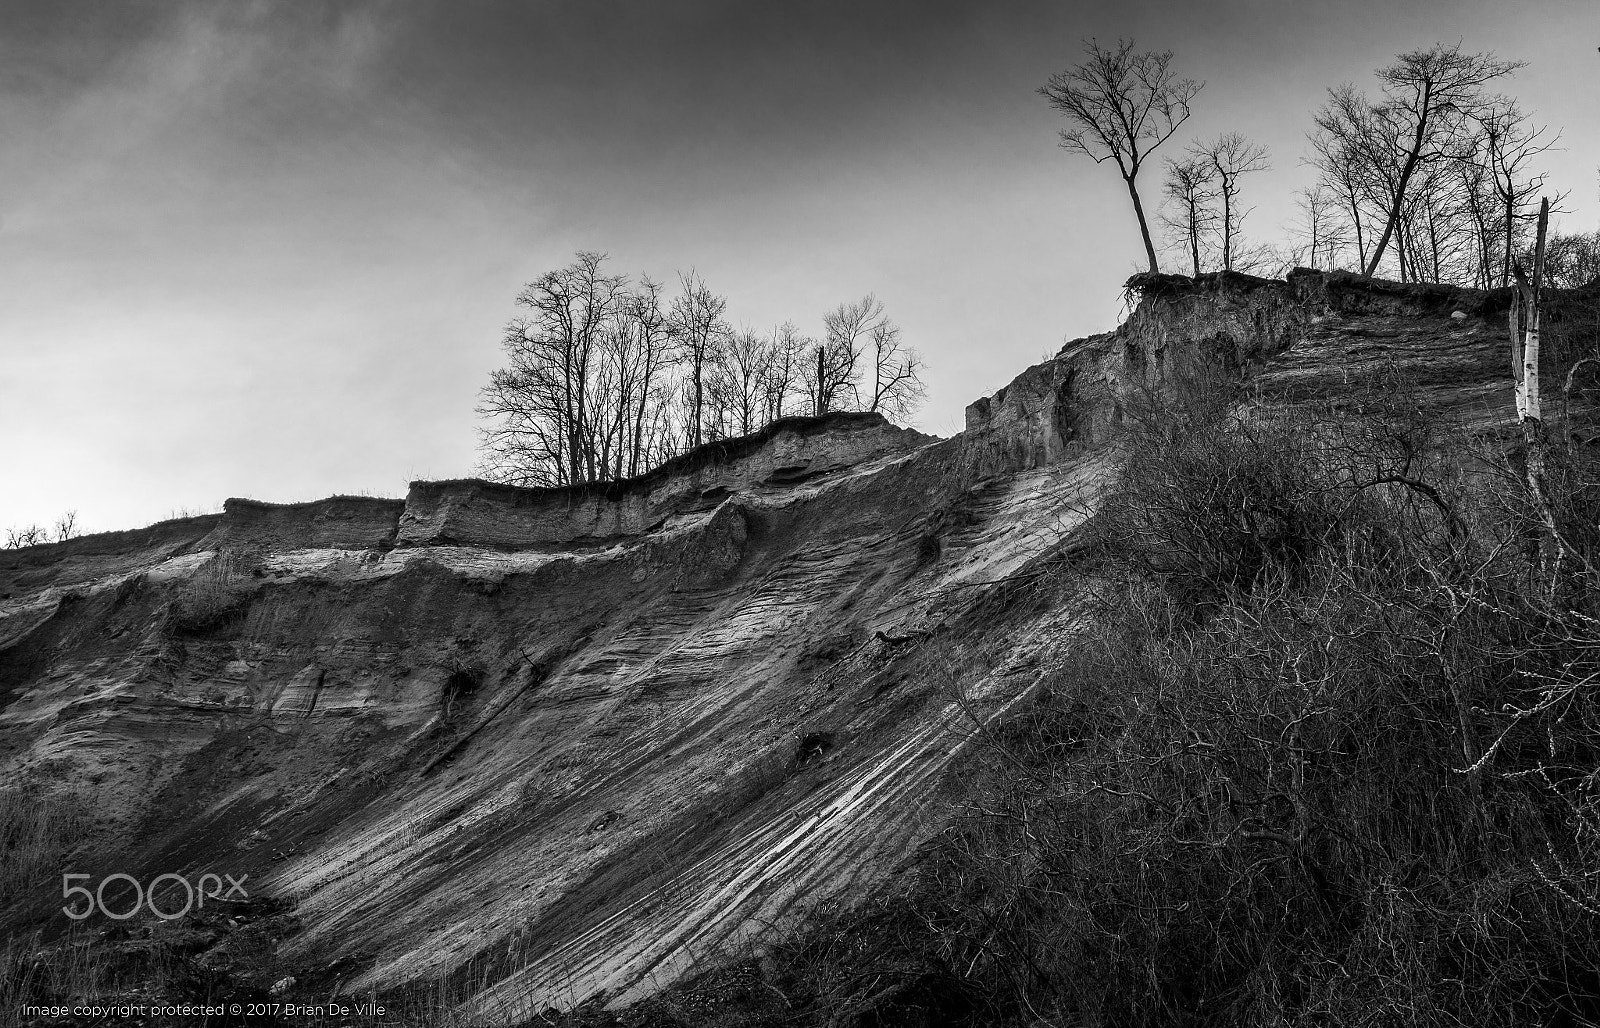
x,y
1320,226
1480,207
831,378
603,384
698,329
1189,187
1346,153
739,376
834,380
665,434
1434,239
65,527
30,535
788,350
1572,260
1509,145
1441,164
1121,106
1230,156
630,360
897,386
653,335
1449,225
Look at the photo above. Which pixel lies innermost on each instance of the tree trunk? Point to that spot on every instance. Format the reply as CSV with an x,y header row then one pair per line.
x,y
638,429
1433,245
1144,228
821,404
1505,269
1400,250
694,431
1355,220
1551,547
574,430
1412,160
1227,227
1485,254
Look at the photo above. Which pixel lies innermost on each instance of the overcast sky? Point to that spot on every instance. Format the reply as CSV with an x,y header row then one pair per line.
x,y
267,249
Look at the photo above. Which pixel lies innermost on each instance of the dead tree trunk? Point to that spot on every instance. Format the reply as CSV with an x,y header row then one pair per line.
x,y
1525,370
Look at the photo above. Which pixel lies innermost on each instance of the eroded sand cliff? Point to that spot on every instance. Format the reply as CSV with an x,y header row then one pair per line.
x,y
550,744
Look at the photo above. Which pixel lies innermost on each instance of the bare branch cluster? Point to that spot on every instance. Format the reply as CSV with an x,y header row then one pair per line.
x,y
65,527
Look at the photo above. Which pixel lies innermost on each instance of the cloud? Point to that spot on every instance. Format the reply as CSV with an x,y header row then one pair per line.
x,y
131,91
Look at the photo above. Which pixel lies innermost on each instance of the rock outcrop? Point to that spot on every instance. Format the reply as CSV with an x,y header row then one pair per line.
x,y
340,522
786,452
1314,334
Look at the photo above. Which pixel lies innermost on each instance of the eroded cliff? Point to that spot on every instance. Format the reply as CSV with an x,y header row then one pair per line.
x,y
545,745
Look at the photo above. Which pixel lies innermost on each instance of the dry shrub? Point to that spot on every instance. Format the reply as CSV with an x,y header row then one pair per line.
x,y
1326,760
1260,820
1215,496
216,595
881,964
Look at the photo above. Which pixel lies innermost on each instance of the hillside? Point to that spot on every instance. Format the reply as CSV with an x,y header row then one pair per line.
x,y
551,746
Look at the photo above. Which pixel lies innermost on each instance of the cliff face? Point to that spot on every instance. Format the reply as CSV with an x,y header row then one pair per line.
x,y
1314,335
547,744
787,452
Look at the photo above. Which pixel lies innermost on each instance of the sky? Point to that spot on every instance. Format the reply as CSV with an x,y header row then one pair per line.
x,y
266,249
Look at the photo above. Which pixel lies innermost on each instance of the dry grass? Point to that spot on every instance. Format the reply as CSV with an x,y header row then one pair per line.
x,y
216,595
31,974
40,823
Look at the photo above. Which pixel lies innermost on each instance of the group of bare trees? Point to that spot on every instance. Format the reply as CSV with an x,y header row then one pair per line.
x,y
1436,178
606,378
66,527
1121,106
1204,188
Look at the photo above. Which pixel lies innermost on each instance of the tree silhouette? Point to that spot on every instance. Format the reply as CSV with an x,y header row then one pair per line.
x,y
1122,105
